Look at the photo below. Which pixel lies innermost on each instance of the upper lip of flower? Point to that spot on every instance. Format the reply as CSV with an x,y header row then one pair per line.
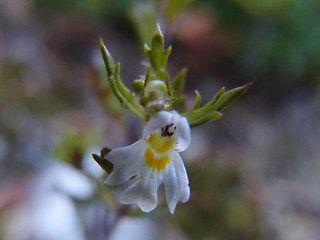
x,y
172,121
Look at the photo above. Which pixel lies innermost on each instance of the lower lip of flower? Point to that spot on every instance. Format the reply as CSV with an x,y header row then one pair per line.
x,y
154,162
157,155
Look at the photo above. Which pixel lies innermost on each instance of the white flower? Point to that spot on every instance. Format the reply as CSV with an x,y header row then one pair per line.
x,y
153,160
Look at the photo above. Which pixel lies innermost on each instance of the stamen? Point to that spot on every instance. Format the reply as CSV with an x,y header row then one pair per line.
x,y
167,132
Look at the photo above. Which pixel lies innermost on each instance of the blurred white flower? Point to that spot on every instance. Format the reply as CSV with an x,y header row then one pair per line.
x,y
48,211
153,160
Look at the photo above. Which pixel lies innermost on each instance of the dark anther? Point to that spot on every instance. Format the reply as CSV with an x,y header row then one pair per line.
x,y
166,132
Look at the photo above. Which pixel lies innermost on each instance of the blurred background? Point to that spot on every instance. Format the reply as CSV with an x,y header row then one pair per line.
x,y
254,174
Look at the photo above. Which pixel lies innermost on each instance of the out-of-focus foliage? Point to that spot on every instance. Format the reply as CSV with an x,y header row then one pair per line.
x,y
96,8
103,93
74,145
217,208
278,40
174,7
144,14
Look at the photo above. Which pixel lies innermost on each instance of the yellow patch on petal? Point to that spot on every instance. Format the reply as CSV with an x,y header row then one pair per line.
x,y
160,144
154,162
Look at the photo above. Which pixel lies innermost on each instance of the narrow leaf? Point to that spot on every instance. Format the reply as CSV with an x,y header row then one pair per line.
x,y
157,55
179,80
211,111
230,96
126,98
214,115
210,106
197,101
107,58
164,76
150,76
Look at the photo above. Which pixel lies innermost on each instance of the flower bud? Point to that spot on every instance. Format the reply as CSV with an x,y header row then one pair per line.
x,y
137,85
155,90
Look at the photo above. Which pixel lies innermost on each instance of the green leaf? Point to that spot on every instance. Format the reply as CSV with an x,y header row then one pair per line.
x,y
157,55
197,101
230,97
179,81
126,98
202,115
164,76
210,106
175,7
74,145
214,115
211,111
176,87
150,76
107,58
144,15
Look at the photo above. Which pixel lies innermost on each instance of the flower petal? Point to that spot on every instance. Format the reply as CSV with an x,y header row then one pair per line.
x,y
126,162
182,131
144,191
176,182
159,120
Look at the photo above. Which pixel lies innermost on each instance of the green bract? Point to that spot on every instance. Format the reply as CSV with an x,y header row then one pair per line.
x,y
211,111
156,91
126,98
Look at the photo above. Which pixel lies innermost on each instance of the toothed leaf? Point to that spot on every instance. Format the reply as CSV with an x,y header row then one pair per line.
x,y
230,97
211,111
179,81
214,115
157,55
126,98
